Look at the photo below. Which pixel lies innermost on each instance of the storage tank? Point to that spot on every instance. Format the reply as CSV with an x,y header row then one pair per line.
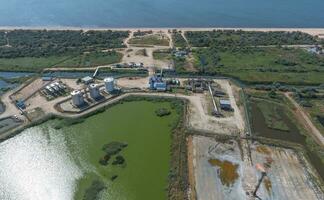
x,y
77,98
94,91
109,84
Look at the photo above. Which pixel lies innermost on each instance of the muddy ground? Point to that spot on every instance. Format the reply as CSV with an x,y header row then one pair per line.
x,y
288,176
221,174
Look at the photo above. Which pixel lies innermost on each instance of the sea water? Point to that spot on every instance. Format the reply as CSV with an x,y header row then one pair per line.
x,y
162,13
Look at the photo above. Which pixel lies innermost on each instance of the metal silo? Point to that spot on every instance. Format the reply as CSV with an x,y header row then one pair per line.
x,y
77,98
109,84
94,91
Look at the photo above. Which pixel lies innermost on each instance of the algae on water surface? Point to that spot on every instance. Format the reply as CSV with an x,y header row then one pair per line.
x,y
147,156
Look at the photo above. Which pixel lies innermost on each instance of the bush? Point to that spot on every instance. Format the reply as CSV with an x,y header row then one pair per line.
x,y
92,193
44,43
305,103
272,94
111,149
321,119
119,160
162,112
232,38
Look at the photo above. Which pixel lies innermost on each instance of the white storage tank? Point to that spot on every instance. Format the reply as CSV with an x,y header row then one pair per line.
x,y
94,91
109,84
77,98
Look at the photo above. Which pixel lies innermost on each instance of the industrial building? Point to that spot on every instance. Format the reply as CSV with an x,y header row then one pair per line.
x,y
135,65
55,87
180,54
49,89
157,83
77,98
87,80
161,86
21,104
54,90
225,105
109,84
198,85
94,91
218,93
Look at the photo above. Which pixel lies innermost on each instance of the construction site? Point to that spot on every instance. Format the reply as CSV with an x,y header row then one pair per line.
x,y
224,159
234,168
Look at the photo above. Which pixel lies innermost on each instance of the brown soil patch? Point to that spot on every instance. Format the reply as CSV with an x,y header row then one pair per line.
x,y
228,171
267,184
263,150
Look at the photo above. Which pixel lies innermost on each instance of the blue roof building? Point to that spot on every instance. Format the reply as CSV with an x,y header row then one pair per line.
x,y
21,104
156,83
160,86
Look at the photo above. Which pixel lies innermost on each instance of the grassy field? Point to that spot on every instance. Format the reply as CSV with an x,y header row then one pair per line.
x,y
251,76
141,52
162,55
316,110
45,43
182,65
272,59
29,63
92,59
287,65
150,40
2,39
37,64
271,107
178,40
261,94
273,115
231,38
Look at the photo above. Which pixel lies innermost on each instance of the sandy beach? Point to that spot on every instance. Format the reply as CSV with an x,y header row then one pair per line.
x,y
312,31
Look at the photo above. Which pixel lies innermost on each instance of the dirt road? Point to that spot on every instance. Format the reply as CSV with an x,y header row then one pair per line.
x,y
304,119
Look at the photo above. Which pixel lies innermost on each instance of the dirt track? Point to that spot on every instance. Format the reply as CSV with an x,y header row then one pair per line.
x,y
304,119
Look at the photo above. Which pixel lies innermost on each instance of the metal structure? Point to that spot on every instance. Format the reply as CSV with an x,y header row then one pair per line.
x,y
109,84
225,104
215,111
87,80
94,91
77,98
263,174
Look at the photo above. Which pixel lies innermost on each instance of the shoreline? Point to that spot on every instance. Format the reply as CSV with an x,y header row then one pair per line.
x,y
311,31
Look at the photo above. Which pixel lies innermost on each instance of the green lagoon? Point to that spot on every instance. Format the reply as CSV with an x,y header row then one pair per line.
x,y
63,164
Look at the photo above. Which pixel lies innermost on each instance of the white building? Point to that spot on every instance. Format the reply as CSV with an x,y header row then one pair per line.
x,y
109,84
94,91
77,98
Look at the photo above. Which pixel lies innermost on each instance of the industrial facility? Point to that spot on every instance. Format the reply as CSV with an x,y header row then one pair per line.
x,y
87,80
157,83
54,90
198,85
225,105
109,84
77,98
94,91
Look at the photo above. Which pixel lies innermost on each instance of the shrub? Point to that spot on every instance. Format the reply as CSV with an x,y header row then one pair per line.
x,y
162,112
92,193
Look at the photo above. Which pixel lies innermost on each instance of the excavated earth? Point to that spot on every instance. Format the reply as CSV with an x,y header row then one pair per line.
x,y
221,173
